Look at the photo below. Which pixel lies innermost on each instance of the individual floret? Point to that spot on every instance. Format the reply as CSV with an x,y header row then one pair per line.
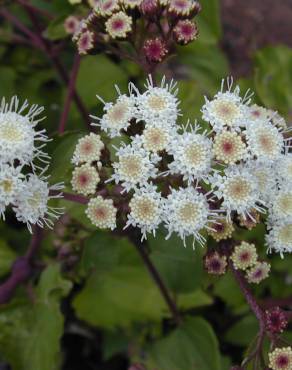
x,y
244,256
85,179
88,149
102,213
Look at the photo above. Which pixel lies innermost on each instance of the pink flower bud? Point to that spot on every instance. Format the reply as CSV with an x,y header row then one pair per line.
x,y
185,31
155,50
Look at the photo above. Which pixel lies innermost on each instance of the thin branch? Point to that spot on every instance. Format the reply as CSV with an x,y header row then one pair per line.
x,y
22,268
157,278
70,93
40,11
46,47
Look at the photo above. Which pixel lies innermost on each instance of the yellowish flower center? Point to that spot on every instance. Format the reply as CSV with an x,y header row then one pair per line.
x,y
117,113
195,154
188,213
6,185
226,110
238,189
156,102
11,133
285,234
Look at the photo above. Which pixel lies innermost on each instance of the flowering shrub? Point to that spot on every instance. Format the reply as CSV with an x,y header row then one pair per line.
x,y
165,243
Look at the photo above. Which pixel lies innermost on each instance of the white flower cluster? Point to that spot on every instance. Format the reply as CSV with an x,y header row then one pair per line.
x,y
187,179
21,157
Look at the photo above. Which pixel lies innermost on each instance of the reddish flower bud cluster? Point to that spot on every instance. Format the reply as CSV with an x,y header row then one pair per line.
x,y
168,22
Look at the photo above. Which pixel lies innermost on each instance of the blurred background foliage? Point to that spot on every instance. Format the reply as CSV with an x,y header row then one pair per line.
x,y
91,303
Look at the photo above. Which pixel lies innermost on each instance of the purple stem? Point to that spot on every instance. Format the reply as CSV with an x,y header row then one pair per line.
x,y
70,93
44,45
21,269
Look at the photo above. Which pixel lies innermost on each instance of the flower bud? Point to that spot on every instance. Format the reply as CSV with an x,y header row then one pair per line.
x,y
149,8
155,50
71,24
215,263
185,31
276,320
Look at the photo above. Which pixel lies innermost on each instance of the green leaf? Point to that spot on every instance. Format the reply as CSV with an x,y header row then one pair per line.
x,y
209,22
97,76
227,289
56,29
30,332
62,152
7,257
193,346
121,291
7,80
243,331
194,299
273,77
181,268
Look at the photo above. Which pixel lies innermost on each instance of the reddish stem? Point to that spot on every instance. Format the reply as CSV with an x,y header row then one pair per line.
x,y
70,93
21,269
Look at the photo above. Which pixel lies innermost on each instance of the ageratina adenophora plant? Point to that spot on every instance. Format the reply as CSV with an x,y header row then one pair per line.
x,y
227,170
146,169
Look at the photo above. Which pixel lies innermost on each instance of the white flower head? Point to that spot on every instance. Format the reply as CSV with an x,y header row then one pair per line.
x,y
102,213
118,115
283,168
265,142
227,109
265,175
88,149
281,203
192,156
156,137
18,135
146,210
279,237
11,183
158,103
238,190
187,212
257,114
134,167
31,206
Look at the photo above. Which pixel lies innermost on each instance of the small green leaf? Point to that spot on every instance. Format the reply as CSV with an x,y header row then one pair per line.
x,y
243,331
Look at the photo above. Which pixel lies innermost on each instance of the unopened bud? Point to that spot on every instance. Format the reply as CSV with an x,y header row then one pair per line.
x,y
185,31
155,50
